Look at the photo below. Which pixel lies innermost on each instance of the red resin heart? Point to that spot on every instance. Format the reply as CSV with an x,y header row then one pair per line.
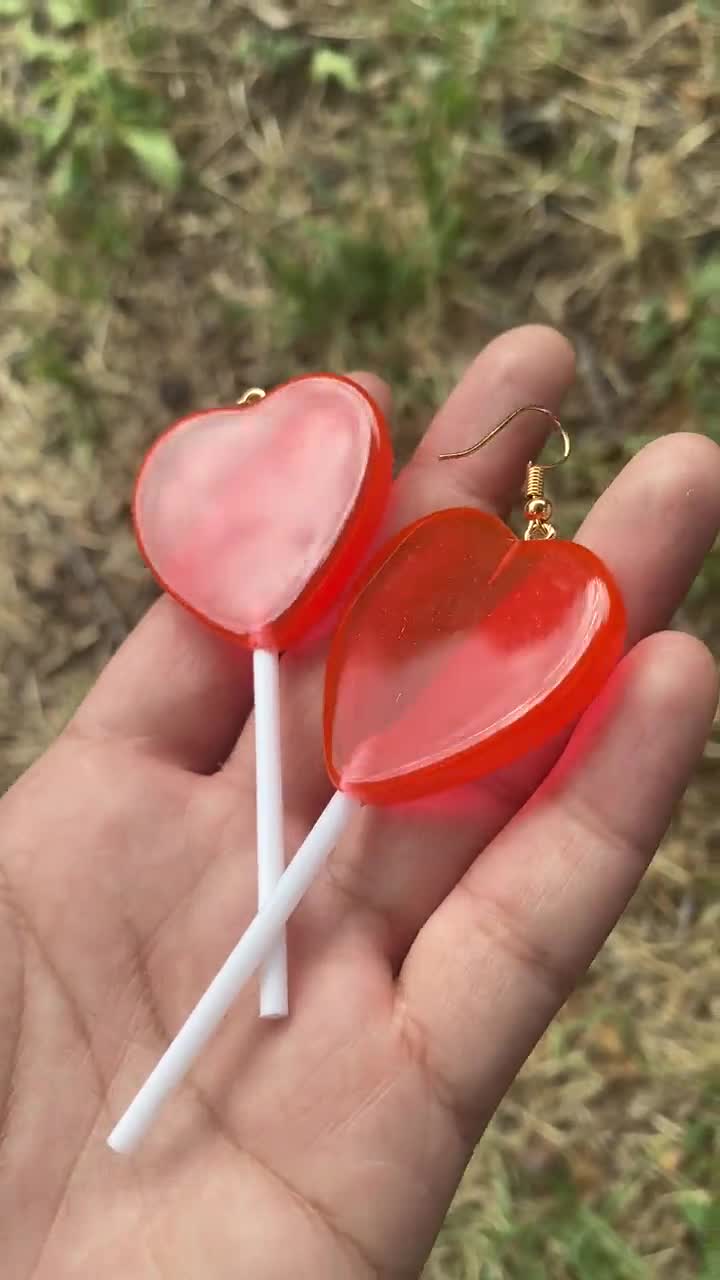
x,y
464,649
254,518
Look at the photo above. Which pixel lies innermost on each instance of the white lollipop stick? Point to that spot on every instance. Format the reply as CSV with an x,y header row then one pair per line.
x,y
270,833
255,944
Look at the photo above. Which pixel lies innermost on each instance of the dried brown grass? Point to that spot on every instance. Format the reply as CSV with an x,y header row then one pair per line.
x,y
572,177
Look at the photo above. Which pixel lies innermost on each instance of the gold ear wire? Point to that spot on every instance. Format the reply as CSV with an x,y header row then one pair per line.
x,y
538,508
251,396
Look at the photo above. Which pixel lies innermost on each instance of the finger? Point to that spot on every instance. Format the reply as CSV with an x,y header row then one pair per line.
x,y
500,955
398,865
527,365
176,687
655,525
181,689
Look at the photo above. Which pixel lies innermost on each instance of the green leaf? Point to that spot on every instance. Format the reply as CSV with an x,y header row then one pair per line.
x,y
12,8
328,64
144,41
67,13
706,280
71,176
702,1212
272,51
53,131
71,13
156,153
655,328
706,343
38,48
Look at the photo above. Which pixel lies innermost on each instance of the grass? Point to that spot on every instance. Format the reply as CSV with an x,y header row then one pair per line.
x,y
203,197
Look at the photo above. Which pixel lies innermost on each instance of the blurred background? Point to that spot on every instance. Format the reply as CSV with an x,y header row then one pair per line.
x,y
200,196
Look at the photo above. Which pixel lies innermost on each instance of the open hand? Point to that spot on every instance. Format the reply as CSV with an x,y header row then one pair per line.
x,y
425,962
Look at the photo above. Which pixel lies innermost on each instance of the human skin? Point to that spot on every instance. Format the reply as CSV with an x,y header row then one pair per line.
x,y
425,962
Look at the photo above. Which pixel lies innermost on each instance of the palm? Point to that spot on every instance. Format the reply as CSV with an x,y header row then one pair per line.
x,y
421,975
261,1102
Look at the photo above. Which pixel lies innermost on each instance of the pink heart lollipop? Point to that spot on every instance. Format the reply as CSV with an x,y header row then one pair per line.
x,y
255,518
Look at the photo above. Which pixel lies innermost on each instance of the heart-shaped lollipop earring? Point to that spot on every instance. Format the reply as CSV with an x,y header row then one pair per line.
x,y
462,650
254,518
466,648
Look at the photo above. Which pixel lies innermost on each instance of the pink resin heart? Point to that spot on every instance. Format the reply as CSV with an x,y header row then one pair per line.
x,y
462,650
254,518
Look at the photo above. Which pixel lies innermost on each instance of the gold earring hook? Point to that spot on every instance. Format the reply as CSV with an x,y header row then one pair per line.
x,y
526,408
538,508
251,396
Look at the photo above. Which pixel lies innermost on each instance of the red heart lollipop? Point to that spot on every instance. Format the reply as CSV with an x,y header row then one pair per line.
x,y
464,649
255,517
